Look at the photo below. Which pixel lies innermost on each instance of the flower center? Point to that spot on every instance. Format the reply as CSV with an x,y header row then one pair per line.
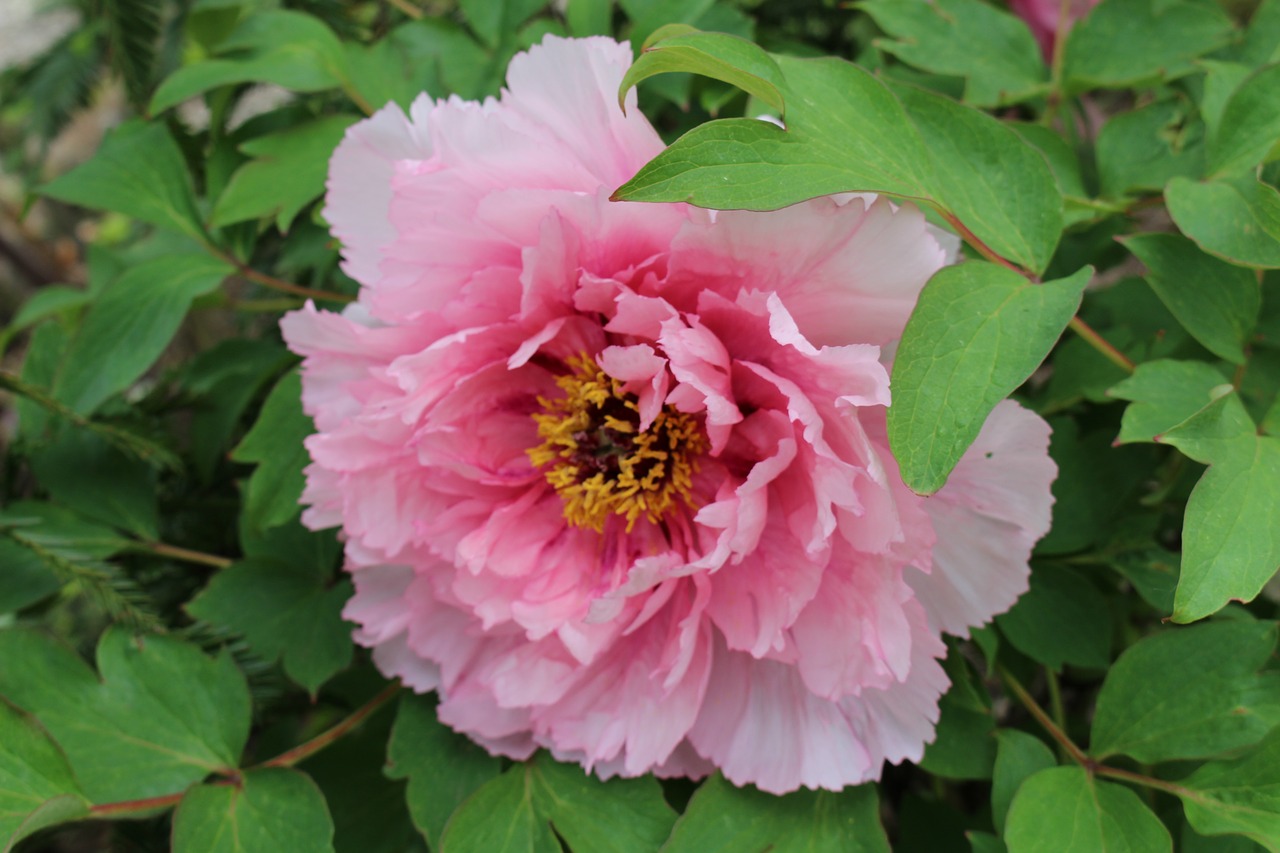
x,y
599,460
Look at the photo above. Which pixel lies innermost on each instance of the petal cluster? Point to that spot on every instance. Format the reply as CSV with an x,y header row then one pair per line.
x,y
774,607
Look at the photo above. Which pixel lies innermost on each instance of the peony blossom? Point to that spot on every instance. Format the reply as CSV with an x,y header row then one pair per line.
x,y
1044,16
613,478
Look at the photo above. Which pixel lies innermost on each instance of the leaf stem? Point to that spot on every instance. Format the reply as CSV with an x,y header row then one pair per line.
x,y
282,285
980,247
187,555
1101,344
1074,752
1056,61
303,751
407,8
125,808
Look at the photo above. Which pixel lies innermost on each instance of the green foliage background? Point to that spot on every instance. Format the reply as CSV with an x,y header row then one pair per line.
x,y
1120,210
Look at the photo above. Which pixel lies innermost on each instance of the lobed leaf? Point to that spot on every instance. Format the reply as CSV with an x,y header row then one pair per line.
x,y
1240,796
270,809
722,818
1163,394
531,804
33,774
163,715
443,767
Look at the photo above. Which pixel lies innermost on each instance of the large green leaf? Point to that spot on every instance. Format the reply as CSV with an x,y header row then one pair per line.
x,y
1238,221
263,810
288,172
1231,531
290,49
442,766
846,131
976,334
138,171
287,611
1131,42
722,818
1240,796
528,806
163,715
1066,810
144,307
993,50
82,471
1250,125
1190,692
33,773
275,443
1215,301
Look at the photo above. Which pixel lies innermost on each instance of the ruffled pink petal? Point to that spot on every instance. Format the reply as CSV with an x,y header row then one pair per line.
x,y
993,509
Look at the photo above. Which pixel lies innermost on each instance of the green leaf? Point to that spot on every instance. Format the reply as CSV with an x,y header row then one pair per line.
x,y
275,443
271,809
163,715
650,16
1018,756
1250,126
589,17
1065,810
32,773
144,306
519,809
993,50
442,766
1236,221
1221,80
1189,692
496,20
289,49
1062,619
138,171
722,57
845,131
963,747
1231,531
722,818
82,471
24,579
977,333
1240,796
288,172
1217,302
1144,148
287,611
1164,393
1125,43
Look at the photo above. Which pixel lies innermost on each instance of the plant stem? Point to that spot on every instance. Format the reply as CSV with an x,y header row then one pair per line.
x,y
186,555
303,751
284,286
1101,344
980,247
1140,779
408,8
1056,61
1074,752
130,807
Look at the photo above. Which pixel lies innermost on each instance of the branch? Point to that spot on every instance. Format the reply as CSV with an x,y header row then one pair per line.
x,y
304,751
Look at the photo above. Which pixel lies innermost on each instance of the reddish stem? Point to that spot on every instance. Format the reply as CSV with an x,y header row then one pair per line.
x,y
303,751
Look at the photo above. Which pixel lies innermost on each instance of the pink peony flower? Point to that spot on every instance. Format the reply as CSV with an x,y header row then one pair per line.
x,y
613,478
1044,16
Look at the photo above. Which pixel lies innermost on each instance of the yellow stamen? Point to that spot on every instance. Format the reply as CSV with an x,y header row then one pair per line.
x,y
595,456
